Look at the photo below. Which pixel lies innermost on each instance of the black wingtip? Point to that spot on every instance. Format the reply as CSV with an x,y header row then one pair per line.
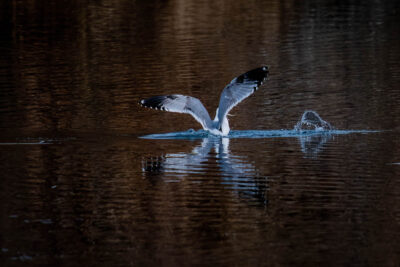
x,y
155,102
258,75
144,104
265,68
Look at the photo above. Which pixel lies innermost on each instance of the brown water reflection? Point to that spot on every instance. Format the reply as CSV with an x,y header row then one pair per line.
x,y
92,192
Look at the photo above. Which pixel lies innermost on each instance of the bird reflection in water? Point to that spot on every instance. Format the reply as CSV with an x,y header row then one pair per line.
x,y
212,158
209,159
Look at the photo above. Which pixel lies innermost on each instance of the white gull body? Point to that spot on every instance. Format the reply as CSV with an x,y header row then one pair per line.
x,y
238,89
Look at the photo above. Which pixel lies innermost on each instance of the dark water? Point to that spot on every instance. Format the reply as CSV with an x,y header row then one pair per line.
x,y
80,188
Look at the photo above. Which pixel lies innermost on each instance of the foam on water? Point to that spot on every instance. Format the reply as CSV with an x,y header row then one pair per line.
x,y
310,120
310,124
252,134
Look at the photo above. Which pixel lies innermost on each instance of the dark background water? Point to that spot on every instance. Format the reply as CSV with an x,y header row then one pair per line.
x,y
79,187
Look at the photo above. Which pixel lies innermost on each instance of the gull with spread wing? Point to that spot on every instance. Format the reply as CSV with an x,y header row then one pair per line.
x,y
238,89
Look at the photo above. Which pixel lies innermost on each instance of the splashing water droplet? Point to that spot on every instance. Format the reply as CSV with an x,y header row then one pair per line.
x,y
312,121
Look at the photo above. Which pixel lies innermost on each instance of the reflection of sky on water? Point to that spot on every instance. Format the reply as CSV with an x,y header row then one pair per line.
x,y
211,158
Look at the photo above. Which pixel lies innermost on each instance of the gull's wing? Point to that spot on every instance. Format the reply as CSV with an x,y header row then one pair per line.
x,y
180,104
240,88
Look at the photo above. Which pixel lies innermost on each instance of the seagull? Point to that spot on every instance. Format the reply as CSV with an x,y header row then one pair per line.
x,y
235,92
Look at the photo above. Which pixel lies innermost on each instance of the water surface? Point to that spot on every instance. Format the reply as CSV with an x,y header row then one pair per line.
x,y
81,187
